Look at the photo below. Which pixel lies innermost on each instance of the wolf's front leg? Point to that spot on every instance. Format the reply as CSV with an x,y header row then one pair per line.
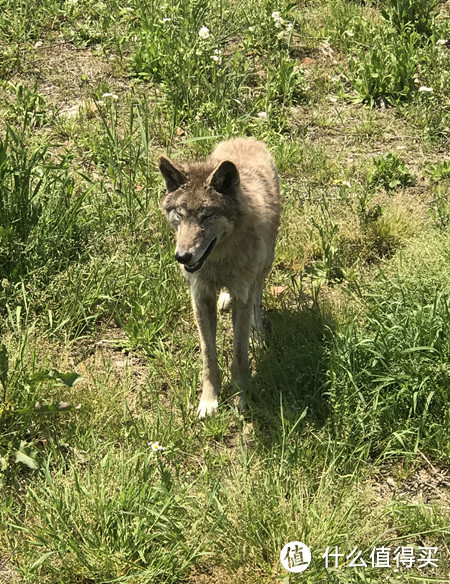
x,y
206,317
242,317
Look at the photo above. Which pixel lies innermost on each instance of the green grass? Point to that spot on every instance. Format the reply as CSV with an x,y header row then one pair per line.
x,y
346,441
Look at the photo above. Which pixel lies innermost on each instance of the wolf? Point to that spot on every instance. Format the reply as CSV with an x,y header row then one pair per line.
x,y
226,214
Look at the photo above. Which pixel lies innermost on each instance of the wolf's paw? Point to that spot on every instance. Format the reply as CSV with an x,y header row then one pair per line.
x,y
239,401
224,301
207,407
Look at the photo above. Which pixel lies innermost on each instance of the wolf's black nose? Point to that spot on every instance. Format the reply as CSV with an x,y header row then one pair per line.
x,y
183,258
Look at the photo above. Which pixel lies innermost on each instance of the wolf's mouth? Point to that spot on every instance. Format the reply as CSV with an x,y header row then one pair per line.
x,y
201,261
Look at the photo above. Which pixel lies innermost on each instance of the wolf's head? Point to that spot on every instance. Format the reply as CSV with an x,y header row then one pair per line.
x,y
201,204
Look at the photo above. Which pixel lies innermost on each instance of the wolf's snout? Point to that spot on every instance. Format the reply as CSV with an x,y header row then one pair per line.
x,y
183,258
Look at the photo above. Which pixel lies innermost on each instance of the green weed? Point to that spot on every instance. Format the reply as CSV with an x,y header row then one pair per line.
x,y
438,171
348,25
385,70
389,172
26,417
416,14
328,266
440,209
367,213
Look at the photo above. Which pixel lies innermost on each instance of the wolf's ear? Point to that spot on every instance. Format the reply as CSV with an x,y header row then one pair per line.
x,y
174,177
225,179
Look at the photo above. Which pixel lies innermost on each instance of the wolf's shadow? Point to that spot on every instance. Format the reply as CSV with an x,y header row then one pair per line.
x,y
291,369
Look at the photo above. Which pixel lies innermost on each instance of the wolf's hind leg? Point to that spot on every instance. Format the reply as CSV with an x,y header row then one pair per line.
x,y
242,316
206,317
257,331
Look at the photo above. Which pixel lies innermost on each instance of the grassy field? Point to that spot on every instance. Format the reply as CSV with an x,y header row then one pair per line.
x,y
346,442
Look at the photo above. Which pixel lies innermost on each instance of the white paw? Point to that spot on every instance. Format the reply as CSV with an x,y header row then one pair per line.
x,y
207,407
224,301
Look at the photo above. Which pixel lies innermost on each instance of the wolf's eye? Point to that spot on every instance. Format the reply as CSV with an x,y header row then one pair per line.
x,y
207,216
179,213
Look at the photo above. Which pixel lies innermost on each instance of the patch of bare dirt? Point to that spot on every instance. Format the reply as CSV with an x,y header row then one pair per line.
x,y
219,575
67,74
426,485
7,575
111,352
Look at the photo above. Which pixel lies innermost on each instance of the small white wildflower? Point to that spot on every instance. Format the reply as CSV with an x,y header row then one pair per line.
x,y
442,42
251,28
203,32
346,183
262,115
289,26
155,446
427,89
276,15
112,95
279,23
166,19
217,57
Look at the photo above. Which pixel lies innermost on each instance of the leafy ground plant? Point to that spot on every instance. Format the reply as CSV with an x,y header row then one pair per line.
x,y
418,15
439,171
389,172
384,72
25,420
